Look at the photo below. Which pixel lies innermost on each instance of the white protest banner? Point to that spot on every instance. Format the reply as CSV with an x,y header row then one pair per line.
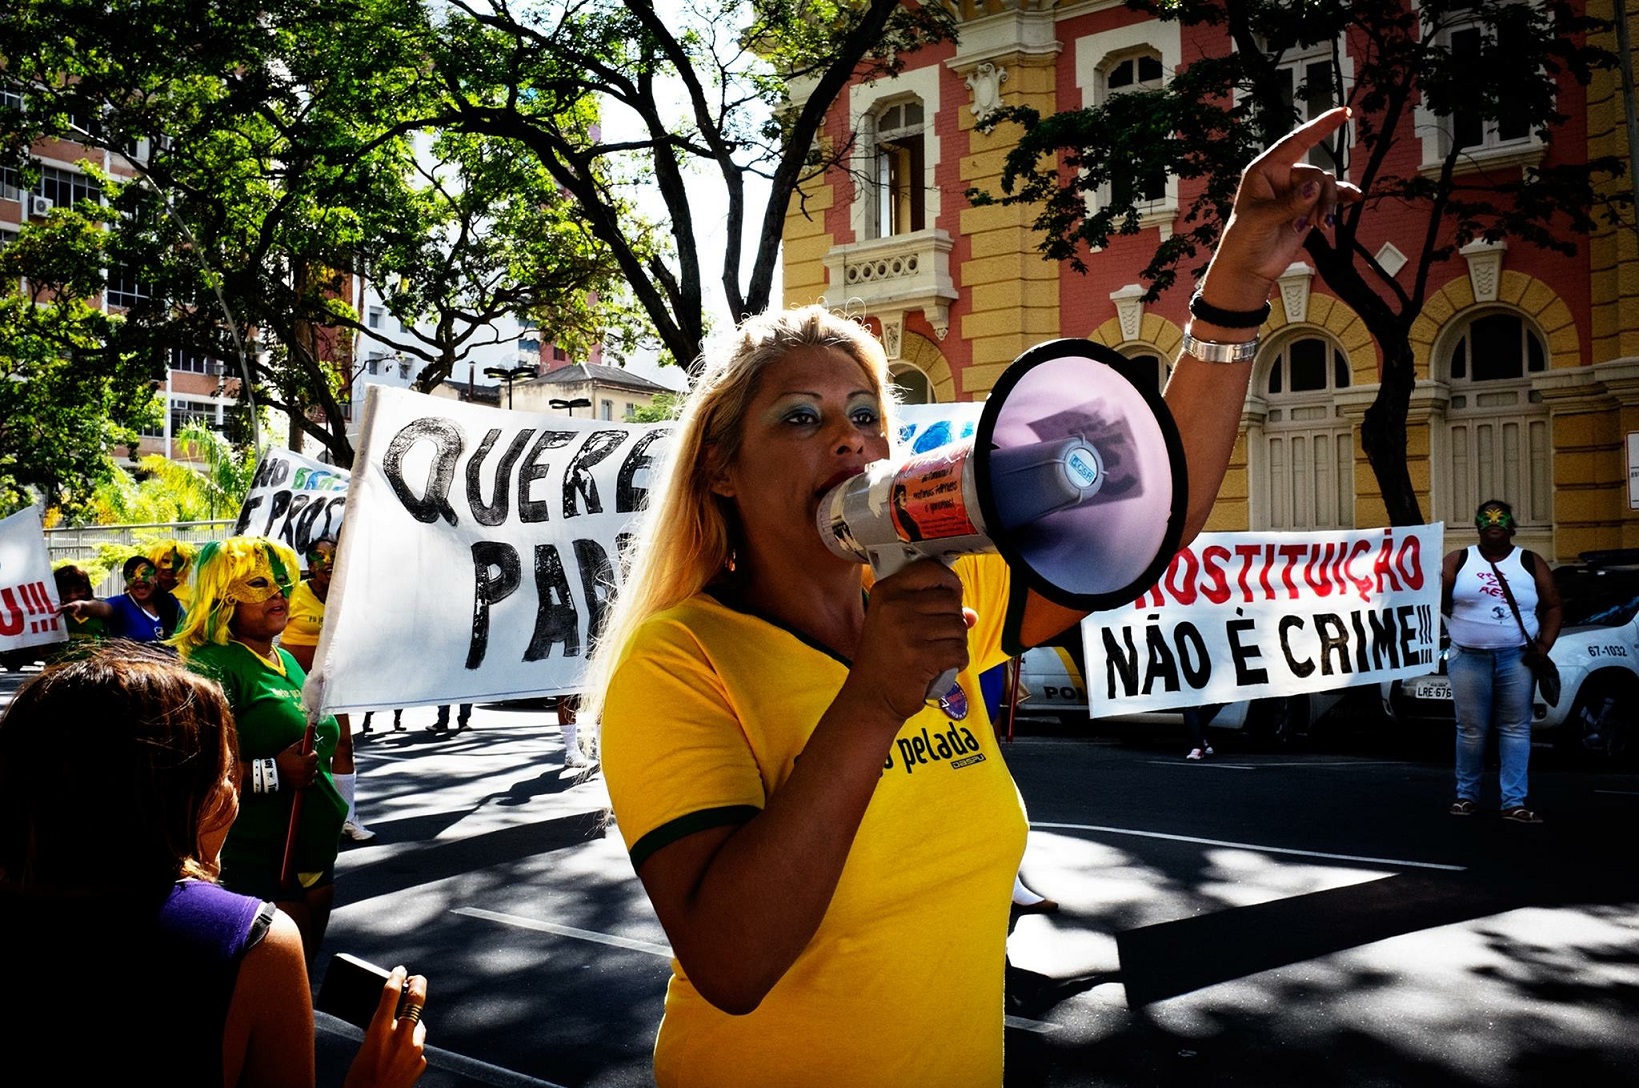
x,y
28,593
1248,615
294,500
481,548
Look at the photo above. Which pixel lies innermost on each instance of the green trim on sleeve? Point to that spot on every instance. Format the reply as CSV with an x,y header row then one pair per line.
x,y
684,826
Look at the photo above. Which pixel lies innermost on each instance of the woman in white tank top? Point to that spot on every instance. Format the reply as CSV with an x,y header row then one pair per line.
x,y
1490,681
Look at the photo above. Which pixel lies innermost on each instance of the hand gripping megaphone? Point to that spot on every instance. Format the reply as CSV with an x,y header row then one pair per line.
x,y
1075,475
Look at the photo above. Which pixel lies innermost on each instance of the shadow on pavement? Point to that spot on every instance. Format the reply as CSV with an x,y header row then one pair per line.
x,y
1561,865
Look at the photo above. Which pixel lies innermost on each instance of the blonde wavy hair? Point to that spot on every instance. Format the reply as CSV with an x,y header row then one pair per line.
x,y
215,569
689,533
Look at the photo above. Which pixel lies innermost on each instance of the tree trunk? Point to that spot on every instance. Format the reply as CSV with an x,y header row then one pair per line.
x,y
1383,431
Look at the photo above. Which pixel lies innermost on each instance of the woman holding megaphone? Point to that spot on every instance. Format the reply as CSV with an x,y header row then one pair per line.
x,y
830,853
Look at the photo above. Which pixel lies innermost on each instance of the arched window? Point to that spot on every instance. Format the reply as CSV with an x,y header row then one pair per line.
x,y
910,384
1307,365
1496,434
1304,452
898,162
1496,347
1152,366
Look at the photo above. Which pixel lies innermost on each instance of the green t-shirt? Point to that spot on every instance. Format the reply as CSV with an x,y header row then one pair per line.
x,y
85,628
267,709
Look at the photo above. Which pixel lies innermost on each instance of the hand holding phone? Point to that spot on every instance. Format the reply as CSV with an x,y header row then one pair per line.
x,y
393,1052
351,990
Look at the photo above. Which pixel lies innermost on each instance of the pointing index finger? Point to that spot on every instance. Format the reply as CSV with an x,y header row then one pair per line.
x,y
1296,144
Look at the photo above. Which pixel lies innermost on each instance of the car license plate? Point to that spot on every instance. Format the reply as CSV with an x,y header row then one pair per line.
x,y
1431,687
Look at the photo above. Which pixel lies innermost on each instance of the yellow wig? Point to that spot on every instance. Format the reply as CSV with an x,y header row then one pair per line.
x,y
175,555
172,555
217,583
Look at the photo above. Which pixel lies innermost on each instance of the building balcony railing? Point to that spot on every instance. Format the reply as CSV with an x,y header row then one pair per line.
x,y
892,275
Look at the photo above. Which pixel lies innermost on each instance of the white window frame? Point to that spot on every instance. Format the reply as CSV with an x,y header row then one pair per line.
x,y
899,368
1095,55
1265,489
1296,63
865,103
1518,468
1495,152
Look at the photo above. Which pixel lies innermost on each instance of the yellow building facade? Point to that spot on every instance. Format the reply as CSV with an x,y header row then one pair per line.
x,y
1527,362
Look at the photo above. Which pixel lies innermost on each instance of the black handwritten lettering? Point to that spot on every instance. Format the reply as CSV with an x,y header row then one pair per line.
x,y
556,622
495,511
537,510
1334,640
242,526
276,509
1242,654
577,478
496,574
1285,628
1385,641
629,497
1161,661
1192,655
597,582
1408,632
433,502
1120,666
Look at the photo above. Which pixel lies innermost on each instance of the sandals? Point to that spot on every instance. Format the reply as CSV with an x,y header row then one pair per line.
x,y
1519,814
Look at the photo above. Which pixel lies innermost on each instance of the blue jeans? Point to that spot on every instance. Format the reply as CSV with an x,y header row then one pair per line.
x,y
1492,689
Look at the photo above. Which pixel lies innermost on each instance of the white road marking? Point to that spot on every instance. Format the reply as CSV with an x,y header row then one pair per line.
x,y
1397,862
1208,762
494,1076
519,922
1023,1024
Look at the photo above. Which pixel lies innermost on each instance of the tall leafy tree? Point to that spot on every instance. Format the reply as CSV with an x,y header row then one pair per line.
x,y
481,233
278,158
685,96
66,396
1508,66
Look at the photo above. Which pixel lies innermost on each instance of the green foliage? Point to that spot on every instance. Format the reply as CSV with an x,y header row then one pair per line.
x,y
663,409
66,395
209,486
475,159
686,96
284,159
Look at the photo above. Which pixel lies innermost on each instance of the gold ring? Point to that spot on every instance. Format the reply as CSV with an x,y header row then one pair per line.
x,y
412,1014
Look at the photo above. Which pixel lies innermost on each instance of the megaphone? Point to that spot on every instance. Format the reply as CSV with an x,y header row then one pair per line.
x,y
1075,474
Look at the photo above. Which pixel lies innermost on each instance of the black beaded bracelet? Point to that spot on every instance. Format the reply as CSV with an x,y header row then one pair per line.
x,y
1228,319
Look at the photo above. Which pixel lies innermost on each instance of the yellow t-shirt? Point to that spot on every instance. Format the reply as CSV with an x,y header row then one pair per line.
x,y
902,983
306,617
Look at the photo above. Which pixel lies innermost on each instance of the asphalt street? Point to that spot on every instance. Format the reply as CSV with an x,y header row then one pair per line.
x,y
1307,917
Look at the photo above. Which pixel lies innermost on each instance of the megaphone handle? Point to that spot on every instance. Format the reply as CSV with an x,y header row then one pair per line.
x,y
940,688
891,560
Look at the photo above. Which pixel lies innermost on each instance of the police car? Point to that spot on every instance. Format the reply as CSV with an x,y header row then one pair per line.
x,y
1598,657
1051,684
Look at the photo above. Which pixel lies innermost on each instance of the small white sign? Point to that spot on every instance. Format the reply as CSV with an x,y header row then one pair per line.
x,y
1633,470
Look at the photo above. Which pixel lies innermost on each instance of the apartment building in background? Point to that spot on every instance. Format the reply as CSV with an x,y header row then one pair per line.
x,y
197,388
